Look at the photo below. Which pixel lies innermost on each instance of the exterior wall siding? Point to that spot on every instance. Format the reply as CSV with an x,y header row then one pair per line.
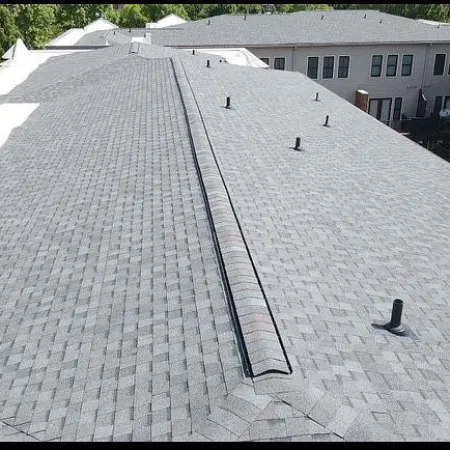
x,y
359,72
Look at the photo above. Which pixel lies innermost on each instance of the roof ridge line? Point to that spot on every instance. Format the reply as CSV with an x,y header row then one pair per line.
x,y
257,333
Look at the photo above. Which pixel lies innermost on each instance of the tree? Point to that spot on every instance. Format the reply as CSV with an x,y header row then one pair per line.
x,y
131,16
309,7
156,11
112,15
8,30
36,24
217,9
76,15
193,10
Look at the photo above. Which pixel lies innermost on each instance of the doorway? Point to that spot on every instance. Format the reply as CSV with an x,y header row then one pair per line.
x,y
380,108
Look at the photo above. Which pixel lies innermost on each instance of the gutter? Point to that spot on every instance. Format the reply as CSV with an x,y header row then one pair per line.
x,y
303,44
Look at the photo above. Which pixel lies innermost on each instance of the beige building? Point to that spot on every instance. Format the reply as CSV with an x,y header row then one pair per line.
x,y
397,66
403,65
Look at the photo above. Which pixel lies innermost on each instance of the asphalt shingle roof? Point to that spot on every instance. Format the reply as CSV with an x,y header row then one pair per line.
x,y
301,28
113,320
114,323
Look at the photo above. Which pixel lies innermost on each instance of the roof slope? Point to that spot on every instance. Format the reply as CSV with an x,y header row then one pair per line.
x,y
336,233
114,324
300,28
107,261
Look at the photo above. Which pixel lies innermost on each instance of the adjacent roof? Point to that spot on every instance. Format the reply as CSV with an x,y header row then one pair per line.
x,y
72,36
18,50
169,20
153,242
301,28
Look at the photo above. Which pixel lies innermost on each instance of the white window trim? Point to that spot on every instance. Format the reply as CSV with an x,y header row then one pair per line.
x,y
412,65
318,66
349,65
434,63
387,65
383,64
334,67
280,57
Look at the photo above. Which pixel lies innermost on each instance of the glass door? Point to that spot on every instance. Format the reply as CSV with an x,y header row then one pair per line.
x,y
380,108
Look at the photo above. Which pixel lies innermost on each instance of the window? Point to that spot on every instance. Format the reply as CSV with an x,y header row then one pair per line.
x,y
438,104
279,63
377,63
391,68
344,64
447,102
439,64
397,108
265,60
313,67
328,67
407,63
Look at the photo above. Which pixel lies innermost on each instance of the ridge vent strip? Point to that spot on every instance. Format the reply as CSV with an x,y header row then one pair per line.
x,y
258,337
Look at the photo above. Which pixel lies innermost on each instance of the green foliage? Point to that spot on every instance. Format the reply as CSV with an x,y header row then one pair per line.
x,y
309,7
156,11
112,15
131,16
8,30
193,10
36,23
79,15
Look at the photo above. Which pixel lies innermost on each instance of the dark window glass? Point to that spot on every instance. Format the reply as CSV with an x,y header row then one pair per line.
x,y
313,67
439,64
328,67
447,102
265,60
391,69
344,64
279,63
397,108
407,63
438,104
377,62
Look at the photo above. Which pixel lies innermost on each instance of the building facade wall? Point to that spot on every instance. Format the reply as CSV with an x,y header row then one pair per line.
x,y
406,87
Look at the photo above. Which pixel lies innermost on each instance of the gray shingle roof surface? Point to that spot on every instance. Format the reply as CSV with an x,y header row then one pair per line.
x,y
301,28
337,232
113,321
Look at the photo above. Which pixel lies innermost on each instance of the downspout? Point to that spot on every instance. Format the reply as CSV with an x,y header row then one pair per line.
x,y
293,58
